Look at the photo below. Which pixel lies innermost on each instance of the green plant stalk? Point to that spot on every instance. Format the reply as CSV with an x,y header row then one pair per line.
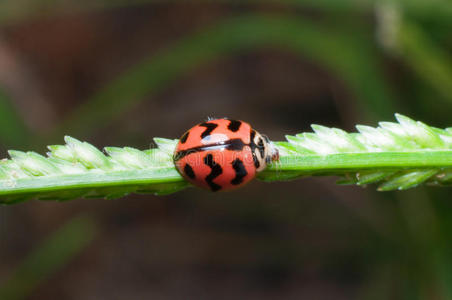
x,y
394,155
350,161
156,180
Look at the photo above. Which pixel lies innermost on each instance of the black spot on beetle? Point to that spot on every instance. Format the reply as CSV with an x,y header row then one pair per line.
x,y
216,171
235,145
188,170
209,128
240,172
234,125
184,138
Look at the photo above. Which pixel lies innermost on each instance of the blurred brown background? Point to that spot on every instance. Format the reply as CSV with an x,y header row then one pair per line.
x,y
120,73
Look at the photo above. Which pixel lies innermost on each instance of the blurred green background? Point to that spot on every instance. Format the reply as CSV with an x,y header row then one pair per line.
x,y
121,72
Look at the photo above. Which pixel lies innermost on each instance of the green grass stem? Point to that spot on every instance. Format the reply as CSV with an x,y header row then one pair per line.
x,y
395,156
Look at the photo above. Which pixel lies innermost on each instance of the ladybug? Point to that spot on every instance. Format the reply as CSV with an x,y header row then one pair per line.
x,y
222,154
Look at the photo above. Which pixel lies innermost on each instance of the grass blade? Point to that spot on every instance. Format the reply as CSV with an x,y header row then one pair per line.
x,y
50,256
351,61
12,129
395,155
